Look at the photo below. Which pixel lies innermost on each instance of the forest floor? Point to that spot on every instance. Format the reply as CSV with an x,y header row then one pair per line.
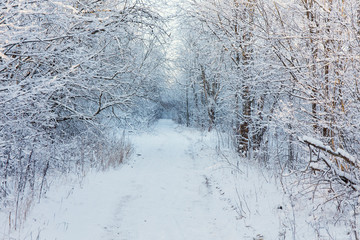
x,y
176,186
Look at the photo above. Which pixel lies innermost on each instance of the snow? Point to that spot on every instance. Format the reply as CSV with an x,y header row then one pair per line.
x,y
176,186
340,152
159,194
348,156
315,142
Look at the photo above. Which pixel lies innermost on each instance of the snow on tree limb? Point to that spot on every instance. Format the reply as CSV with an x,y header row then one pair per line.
x,y
349,178
338,153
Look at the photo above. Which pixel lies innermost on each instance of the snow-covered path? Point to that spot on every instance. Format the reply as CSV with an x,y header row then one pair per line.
x,y
175,187
162,193
166,194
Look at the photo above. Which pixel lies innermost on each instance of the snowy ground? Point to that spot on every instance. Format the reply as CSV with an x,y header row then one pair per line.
x,y
175,187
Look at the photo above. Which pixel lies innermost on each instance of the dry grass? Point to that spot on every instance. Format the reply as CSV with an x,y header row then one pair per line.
x,y
113,156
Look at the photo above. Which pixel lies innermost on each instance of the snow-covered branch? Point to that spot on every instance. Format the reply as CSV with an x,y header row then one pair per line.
x,y
338,153
348,175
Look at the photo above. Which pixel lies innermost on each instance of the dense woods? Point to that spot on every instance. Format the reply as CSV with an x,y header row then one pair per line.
x,y
271,72
279,78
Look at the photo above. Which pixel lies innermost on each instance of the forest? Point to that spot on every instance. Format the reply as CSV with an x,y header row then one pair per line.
x,y
278,80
